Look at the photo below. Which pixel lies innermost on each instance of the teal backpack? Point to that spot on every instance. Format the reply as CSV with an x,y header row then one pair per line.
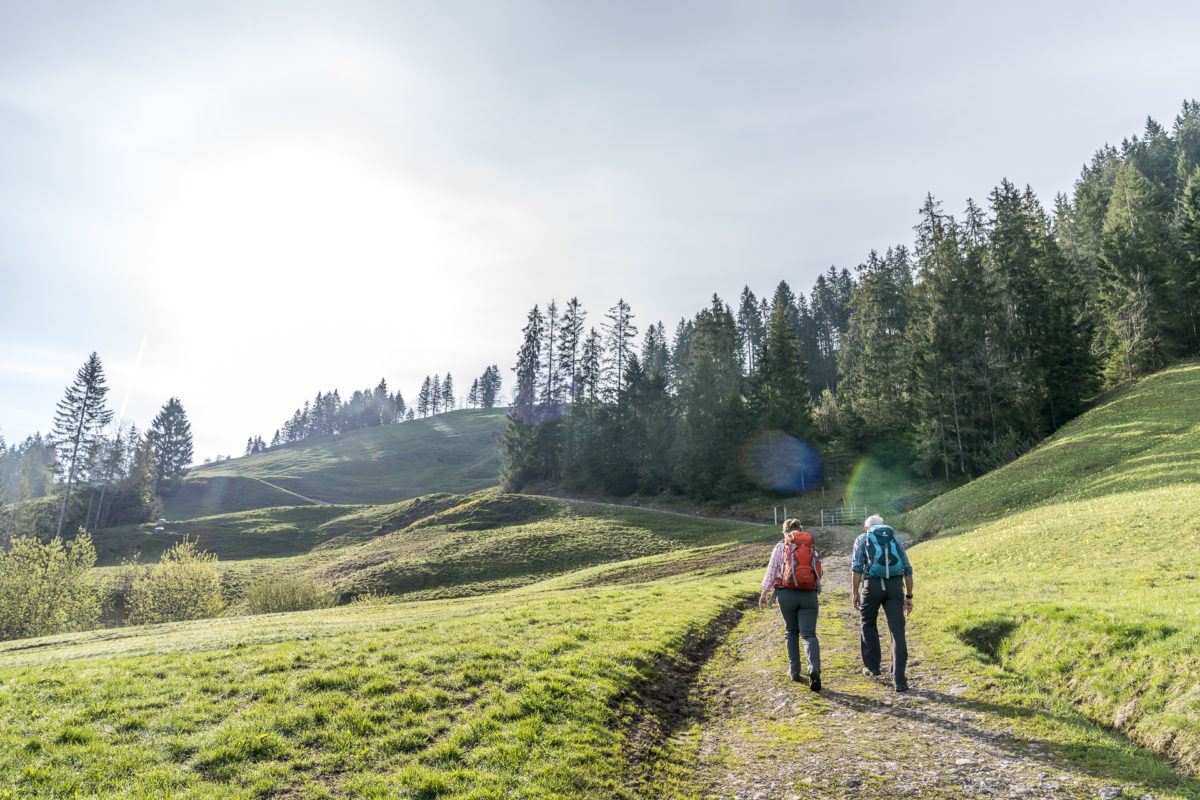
x,y
882,554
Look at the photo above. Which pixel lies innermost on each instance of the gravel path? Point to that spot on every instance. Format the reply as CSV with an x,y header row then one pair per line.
x,y
767,738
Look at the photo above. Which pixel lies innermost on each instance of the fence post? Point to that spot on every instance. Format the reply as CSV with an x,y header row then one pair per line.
x,y
775,509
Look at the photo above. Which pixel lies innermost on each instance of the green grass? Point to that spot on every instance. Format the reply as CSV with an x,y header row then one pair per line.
x,y
1143,437
1073,578
525,694
222,494
438,546
452,452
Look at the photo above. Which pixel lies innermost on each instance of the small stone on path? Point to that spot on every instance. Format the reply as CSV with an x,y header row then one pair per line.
x,y
1110,793
958,691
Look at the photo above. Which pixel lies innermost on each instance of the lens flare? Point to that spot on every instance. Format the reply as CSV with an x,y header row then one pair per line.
x,y
776,460
880,480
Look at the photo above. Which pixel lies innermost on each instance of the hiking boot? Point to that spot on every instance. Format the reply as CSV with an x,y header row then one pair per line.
x,y
814,681
794,674
870,673
901,687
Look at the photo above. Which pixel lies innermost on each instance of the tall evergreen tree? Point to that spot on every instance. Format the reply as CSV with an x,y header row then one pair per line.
x,y
448,401
750,329
1133,257
1184,280
78,421
570,344
875,361
619,335
170,435
529,364
424,402
780,395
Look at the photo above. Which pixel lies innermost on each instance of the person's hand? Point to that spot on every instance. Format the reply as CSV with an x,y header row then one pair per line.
x,y
856,599
907,606
762,601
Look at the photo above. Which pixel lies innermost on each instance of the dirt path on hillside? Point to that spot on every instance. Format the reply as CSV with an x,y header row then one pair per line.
x,y
764,737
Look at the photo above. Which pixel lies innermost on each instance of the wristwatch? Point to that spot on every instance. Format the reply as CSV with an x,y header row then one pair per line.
x,y
908,597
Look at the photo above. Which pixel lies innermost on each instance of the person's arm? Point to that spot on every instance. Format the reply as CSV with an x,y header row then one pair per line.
x,y
856,568
908,606
768,581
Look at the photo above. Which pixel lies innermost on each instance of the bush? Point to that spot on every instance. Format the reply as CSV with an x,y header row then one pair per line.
x,y
184,584
45,588
276,593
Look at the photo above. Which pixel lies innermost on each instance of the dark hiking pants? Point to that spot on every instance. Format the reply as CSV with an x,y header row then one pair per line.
x,y
800,619
887,593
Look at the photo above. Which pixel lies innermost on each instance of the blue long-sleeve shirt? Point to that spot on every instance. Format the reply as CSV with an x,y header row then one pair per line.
x,y
858,562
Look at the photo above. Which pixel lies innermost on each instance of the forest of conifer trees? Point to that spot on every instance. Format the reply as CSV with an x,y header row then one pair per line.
x,y
961,350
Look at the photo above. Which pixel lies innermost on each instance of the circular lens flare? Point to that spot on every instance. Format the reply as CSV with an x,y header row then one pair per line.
x,y
881,480
776,460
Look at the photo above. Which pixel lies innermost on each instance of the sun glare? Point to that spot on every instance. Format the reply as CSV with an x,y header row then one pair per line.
x,y
291,225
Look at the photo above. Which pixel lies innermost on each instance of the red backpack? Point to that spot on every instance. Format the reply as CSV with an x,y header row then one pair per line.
x,y
801,562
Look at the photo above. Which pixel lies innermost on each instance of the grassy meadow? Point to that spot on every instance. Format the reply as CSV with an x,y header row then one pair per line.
x,y
441,545
1070,574
452,452
527,693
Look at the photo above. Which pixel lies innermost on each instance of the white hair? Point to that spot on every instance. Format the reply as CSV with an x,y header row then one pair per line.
x,y
872,521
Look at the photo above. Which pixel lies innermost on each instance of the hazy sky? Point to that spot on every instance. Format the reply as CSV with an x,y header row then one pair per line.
x,y
242,204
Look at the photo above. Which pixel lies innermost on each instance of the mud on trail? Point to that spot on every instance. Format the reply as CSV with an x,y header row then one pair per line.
x,y
741,730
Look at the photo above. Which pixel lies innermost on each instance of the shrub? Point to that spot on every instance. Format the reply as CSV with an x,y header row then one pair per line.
x,y
45,588
276,593
184,584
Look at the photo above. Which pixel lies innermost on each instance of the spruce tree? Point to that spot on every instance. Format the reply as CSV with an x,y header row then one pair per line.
x,y
448,393
619,335
570,343
170,435
78,421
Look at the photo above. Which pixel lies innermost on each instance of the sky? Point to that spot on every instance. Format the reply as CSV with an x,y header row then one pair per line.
x,y
242,204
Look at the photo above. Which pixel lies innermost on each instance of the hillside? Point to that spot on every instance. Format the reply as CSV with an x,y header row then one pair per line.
x,y
1143,437
452,452
440,545
1068,570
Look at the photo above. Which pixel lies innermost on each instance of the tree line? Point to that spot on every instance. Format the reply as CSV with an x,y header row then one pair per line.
x,y
104,475
960,351
328,414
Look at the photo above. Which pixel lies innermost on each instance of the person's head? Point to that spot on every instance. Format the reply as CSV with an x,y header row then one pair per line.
x,y
790,525
872,521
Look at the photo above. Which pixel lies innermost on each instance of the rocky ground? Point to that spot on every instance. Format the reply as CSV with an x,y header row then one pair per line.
x,y
764,737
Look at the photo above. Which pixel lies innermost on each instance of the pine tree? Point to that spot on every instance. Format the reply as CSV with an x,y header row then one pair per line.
x,y
171,436
591,368
1184,280
570,342
473,394
529,364
80,417
448,393
1133,258
780,393
489,387
552,383
424,398
619,335
750,329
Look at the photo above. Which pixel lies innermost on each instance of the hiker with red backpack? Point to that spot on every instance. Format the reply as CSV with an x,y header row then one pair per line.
x,y
882,577
794,576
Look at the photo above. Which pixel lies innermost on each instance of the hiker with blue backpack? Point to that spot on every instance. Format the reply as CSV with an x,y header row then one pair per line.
x,y
794,578
882,577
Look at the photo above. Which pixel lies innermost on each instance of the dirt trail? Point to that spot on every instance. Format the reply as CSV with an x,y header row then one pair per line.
x,y
765,737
